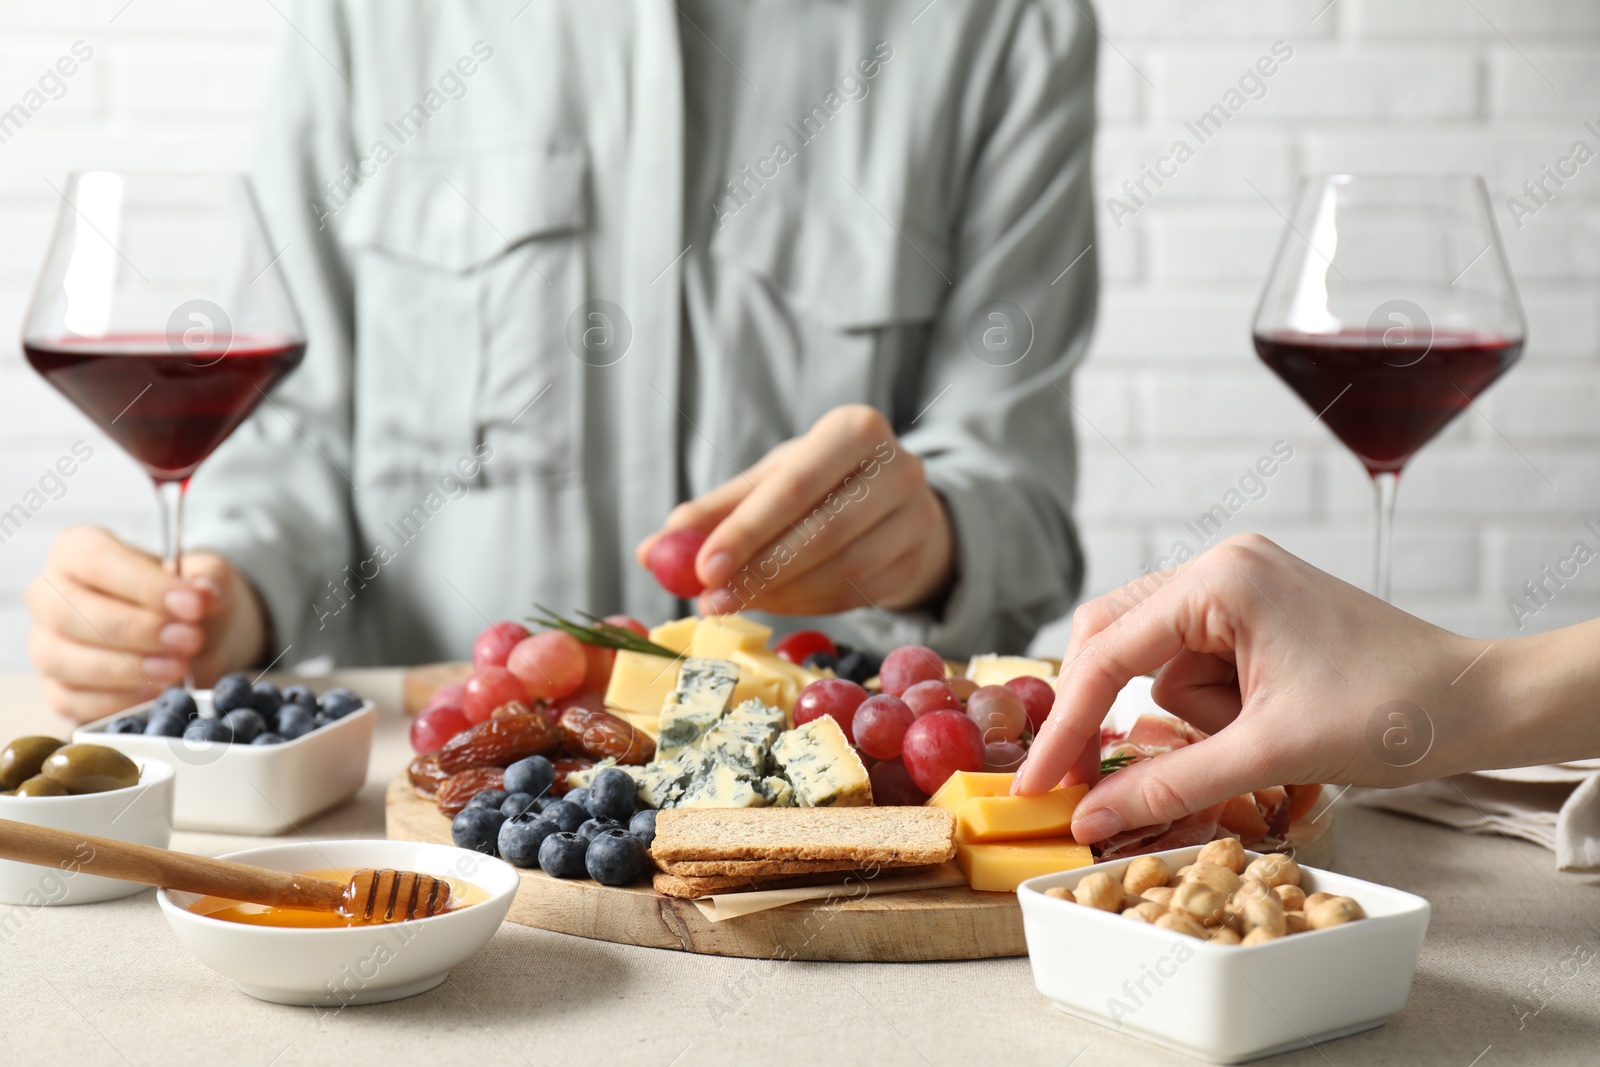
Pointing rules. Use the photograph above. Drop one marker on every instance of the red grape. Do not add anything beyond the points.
(672, 562)
(550, 664)
(963, 688)
(908, 665)
(830, 696)
(495, 643)
(998, 713)
(932, 695)
(434, 726)
(892, 785)
(447, 694)
(803, 644)
(487, 689)
(938, 745)
(598, 663)
(583, 698)
(880, 722)
(628, 622)
(1037, 699)
(1002, 756)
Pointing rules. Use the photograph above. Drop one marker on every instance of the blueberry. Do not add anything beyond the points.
(858, 667)
(232, 691)
(177, 700)
(566, 815)
(244, 725)
(822, 661)
(542, 804)
(268, 739)
(321, 719)
(265, 698)
(204, 731)
(594, 827)
(337, 703)
(477, 829)
(533, 776)
(293, 721)
(516, 803)
(166, 724)
(128, 724)
(643, 826)
(561, 855)
(615, 857)
(611, 795)
(299, 694)
(521, 836)
(580, 797)
(488, 798)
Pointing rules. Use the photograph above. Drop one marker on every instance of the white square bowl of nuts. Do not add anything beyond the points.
(1220, 953)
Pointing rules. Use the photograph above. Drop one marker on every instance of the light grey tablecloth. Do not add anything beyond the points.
(1510, 974)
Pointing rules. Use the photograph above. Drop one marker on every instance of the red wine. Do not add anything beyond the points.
(1383, 402)
(168, 411)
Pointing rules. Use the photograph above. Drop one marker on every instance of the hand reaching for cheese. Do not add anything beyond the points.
(1298, 676)
(838, 518)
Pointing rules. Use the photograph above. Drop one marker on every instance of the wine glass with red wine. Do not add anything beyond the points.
(161, 312)
(1389, 308)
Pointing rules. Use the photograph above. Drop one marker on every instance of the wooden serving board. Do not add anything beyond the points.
(928, 924)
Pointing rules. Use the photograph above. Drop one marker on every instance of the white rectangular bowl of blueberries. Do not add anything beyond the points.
(250, 758)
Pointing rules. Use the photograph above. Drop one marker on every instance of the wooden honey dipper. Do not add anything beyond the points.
(369, 897)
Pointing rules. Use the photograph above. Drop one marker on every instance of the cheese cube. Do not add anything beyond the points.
(676, 634)
(1000, 868)
(962, 786)
(720, 636)
(824, 770)
(640, 683)
(998, 670)
(1008, 818)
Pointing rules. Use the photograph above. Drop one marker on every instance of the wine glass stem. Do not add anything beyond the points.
(1384, 484)
(169, 495)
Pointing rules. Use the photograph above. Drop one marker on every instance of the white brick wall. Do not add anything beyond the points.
(1180, 407)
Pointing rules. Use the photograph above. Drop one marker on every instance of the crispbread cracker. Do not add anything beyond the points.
(898, 835)
(767, 868)
(690, 888)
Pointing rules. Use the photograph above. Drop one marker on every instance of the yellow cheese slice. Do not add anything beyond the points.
(720, 636)
(1008, 818)
(1000, 868)
(676, 634)
(998, 670)
(640, 682)
(962, 786)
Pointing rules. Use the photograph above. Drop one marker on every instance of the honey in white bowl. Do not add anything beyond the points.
(462, 895)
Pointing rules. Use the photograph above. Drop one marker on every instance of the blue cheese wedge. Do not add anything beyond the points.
(714, 784)
(744, 737)
(821, 766)
(704, 692)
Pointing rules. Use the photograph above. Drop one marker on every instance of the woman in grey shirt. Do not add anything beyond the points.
(820, 270)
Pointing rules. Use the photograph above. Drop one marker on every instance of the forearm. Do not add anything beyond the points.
(1547, 690)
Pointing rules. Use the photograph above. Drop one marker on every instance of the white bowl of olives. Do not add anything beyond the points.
(87, 789)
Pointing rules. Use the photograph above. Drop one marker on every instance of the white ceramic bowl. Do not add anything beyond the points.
(140, 813)
(253, 789)
(348, 965)
(1225, 1003)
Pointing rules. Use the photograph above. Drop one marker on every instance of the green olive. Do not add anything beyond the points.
(22, 758)
(40, 786)
(90, 768)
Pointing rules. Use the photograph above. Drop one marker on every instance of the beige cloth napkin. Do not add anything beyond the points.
(1556, 807)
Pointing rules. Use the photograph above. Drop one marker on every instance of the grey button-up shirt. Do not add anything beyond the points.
(565, 264)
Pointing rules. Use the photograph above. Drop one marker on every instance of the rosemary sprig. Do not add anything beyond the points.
(600, 633)
(1115, 763)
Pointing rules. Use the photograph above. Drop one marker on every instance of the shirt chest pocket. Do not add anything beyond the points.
(467, 266)
(860, 294)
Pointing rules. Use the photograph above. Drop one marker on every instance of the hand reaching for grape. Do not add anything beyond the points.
(840, 517)
(111, 627)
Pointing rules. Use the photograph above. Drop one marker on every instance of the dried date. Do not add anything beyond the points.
(425, 775)
(565, 767)
(601, 735)
(460, 788)
(499, 743)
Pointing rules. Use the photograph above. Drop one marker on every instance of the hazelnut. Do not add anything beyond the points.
(1199, 901)
(1258, 935)
(1316, 898)
(1250, 890)
(1224, 935)
(1146, 872)
(1294, 922)
(1333, 912)
(1266, 913)
(1292, 897)
(1061, 892)
(1225, 852)
(1180, 923)
(1161, 894)
(1100, 890)
(1145, 912)
(1274, 869)
(1214, 875)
